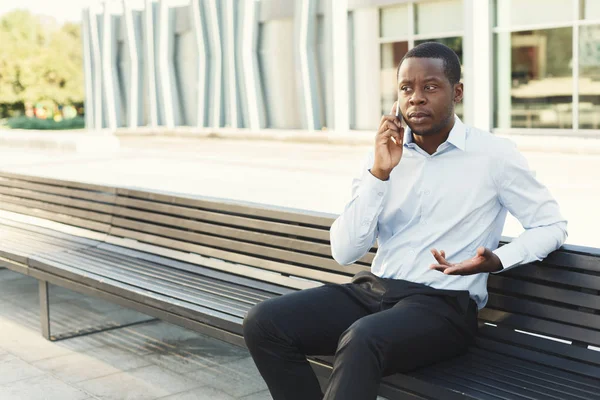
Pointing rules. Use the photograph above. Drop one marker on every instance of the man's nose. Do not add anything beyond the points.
(417, 98)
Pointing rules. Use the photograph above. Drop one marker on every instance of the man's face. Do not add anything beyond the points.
(426, 96)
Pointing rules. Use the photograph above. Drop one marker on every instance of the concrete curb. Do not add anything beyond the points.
(80, 141)
(530, 143)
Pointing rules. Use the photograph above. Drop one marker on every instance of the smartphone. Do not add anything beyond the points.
(398, 114)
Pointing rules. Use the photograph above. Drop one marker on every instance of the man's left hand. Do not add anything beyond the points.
(484, 261)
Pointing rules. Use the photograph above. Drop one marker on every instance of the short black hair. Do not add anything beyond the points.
(440, 51)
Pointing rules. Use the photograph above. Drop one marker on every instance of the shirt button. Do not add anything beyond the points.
(380, 194)
(427, 193)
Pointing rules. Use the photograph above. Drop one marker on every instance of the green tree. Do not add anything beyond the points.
(39, 60)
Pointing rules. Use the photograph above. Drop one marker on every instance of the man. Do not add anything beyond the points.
(435, 196)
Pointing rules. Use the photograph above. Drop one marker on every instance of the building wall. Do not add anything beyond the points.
(529, 66)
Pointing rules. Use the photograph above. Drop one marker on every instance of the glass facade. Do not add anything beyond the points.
(547, 64)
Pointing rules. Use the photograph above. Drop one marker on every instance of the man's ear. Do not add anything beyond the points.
(458, 92)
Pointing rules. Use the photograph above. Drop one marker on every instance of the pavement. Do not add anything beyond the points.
(152, 360)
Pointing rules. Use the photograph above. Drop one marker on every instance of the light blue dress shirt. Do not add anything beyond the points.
(453, 200)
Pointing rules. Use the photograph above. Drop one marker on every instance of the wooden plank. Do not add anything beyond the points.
(58, 182)
(181, 224)
(40, 205)
(195, 278)
(511, 384)
(96, 226)
(517, 375)
(530, 368)
(102, 197)
(32, 223)
(507, 285)
(574, 260)
(543, 327)
(196, 268)
(126, 204)
(305, 218)
(555, 275)
(545, 311)
(188, 240)
(543, 345)
(236, 265)
(86, 266)
(144, 296)
(464, 388)
(473, 379)
(59, 200)
(560, 366)
(173, 279)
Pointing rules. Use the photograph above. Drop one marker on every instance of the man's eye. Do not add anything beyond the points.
(404, 88)
(430, 87)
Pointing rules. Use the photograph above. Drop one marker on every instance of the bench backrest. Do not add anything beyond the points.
(288, 242)
(78, 204)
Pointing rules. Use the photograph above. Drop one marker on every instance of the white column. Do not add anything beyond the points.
(339, 12)
(149, 62)
(108, 69)
(131, 42)
(88, 68)
(478, 56)
(197, 21)
(216, 55)
(97, 70)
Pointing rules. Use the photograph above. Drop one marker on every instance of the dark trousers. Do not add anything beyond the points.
(374, 327)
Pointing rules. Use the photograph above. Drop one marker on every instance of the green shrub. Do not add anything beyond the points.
(45, 124)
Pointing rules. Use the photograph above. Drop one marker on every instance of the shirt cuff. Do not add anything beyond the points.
(372, 186)
(510, 256)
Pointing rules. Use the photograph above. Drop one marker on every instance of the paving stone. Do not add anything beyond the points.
(42, 387)
(202, 393)
(144, 384)
(75, 367)
(263, 395)
(14, 369)
(239, 378)
(118, 358)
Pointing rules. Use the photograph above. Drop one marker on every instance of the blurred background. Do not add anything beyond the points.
(276, 101)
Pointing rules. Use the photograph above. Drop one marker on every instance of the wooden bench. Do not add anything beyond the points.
(203, 263)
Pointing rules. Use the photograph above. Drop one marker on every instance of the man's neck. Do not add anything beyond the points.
(430, 143)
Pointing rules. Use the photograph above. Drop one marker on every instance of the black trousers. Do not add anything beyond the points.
(374, 327)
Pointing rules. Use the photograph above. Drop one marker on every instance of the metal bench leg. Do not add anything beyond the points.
(44, 309)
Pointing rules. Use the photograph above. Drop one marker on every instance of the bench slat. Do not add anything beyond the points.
(181, 308)
(126, 204)
(58, 200)
(543, 272)
(544, 345)
(92, 195)
(247, 284)
(152, 234)
(75, 221)
(250, 267)
(155, 285)
(186, 280)
(540, 326)
(304, 218)
(40, 205)
(59, 182)
(545, 311)
(471, 362)
(544, 292)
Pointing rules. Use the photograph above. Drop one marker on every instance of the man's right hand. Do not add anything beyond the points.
(388, 153)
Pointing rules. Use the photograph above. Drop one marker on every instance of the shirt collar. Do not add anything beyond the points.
(457, 136)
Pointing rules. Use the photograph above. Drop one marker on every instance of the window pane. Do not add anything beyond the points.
(534, 79)
(391, 55)
(456, 44)
(591, 9)
(394, 21)
(589, 77)
(435, 17)
(511, 13)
